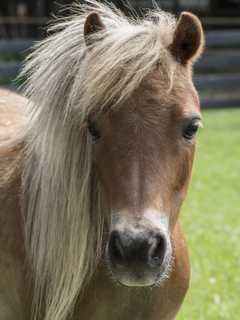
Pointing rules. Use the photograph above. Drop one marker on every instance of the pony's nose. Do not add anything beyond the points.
(140, 250)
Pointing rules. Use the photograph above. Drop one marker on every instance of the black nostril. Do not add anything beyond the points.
(115, 248)
(136, 250)
(157, 250)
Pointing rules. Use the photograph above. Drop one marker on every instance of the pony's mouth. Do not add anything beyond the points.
(139, 256)
(140, 276)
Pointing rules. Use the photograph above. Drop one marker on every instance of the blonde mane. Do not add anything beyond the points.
(66, 81)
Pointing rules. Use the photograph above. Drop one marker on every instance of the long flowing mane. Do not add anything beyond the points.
(66, 81)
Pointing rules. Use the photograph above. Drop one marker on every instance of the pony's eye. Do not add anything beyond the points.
(93, 130)
(191, 129)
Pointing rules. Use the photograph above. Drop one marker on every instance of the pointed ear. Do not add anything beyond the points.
(188, 40)
(92, 25)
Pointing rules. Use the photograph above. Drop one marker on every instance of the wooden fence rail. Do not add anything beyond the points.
(217, 74)
(18, 46)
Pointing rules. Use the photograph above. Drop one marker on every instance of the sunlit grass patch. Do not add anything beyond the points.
(211, 218)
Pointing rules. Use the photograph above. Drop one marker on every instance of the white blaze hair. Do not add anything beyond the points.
(63, 201)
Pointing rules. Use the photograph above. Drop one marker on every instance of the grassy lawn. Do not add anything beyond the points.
(211, 218)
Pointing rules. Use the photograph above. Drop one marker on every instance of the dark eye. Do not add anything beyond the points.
(191, 129)
(93, 130)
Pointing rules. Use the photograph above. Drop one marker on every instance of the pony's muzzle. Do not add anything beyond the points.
(127, 250)
(137, 259)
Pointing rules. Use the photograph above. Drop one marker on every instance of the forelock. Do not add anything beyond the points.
(108, 72)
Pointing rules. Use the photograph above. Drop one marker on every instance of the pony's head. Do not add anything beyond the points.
(110, 146)
(143, 148)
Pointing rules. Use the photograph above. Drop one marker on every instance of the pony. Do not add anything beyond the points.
(95, 161)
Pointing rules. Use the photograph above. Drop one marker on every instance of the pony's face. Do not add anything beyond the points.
(143, 153)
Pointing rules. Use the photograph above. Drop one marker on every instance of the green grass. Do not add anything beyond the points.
(211, 218)
(11, 57)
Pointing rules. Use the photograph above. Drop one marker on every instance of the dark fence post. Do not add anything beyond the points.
(176, 6)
